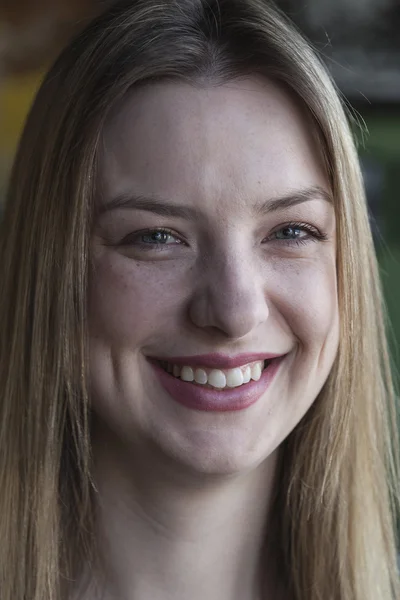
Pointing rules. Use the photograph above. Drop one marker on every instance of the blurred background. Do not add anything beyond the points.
(359, 41)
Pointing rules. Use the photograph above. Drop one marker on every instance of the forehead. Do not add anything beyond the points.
(239, 140)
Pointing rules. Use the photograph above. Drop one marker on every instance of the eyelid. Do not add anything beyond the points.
(315, 234)
(131, 237)
(298, 225)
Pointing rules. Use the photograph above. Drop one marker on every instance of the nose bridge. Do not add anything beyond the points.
(231, 295)
(233, 276)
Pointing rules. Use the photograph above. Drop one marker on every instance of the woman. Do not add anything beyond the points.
(196, 393)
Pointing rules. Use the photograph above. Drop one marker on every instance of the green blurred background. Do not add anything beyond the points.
(383, 146)
(359, 40)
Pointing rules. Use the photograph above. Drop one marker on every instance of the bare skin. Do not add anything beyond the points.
(212, 531)
(183, 494)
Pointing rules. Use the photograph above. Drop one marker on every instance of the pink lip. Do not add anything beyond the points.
(216, 361)
(202, 398)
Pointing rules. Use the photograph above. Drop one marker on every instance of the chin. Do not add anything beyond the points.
(208, 454)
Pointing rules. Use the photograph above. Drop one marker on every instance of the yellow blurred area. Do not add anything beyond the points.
(16, 96)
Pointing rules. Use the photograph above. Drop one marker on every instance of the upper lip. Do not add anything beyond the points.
(216, 360)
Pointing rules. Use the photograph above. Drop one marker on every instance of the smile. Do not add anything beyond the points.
(217, 378)
(212, 387)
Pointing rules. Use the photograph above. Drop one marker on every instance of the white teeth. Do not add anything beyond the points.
(234, 378)
(247, 374)
(187, 374)
(256, 371)
(200, 376)
(217, 378)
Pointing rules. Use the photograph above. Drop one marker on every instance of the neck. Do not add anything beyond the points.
(165, 532)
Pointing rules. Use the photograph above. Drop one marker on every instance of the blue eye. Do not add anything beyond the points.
(297, 233)
(157, 236)
(290, 233)
(151, 239)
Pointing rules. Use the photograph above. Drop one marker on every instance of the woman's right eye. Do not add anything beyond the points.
(150, 239)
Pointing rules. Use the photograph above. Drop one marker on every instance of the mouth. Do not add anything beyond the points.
(217, 379)
(203, 388)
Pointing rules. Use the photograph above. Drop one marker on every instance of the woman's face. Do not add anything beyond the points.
(213, 250)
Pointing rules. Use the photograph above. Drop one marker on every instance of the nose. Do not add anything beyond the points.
(230, 297)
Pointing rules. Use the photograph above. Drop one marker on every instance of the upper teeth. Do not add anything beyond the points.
(218, 378)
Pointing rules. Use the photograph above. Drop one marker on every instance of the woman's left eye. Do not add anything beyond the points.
(296, 233)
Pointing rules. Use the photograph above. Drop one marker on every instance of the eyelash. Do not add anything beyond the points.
(313, 235)
(130, 239)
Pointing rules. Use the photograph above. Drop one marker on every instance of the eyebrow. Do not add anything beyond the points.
(164, 208)
(294, 198)
(150, 204)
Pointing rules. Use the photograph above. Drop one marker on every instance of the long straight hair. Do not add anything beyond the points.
(338, 483)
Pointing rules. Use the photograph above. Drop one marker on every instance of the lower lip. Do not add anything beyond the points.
(208, 399)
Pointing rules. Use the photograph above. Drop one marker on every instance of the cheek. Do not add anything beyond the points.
(306, 299)
(306, 303)
(129, 301)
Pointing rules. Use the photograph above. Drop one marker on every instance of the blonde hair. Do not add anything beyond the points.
(338, 480)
